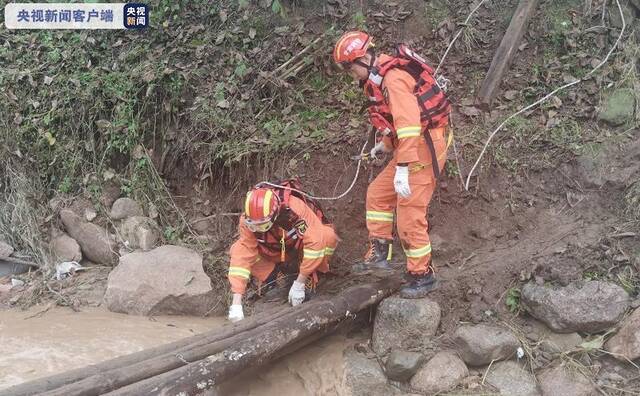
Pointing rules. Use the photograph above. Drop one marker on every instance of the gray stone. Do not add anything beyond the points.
(364, 377)
(565, 381)
(96, 243)
(65, 248)
(442, 373)
(140, 232)
(626, 343)
(125, 207)
(6, 250)
(512, 380)
(479, 345)
(618, 107)
(166, 280)
(588, 307)
(404, 324)
(559, 343)
(402, 365)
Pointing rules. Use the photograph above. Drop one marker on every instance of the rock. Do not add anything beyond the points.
(6, 250)
(626, 343)
(90, 214)
(512, 380)
(125, 207)
(404, 324)
(140, 232)
(402, 365)
(559, 343)
(166, 280)
(364, 377)
(479, 345)
(588, 307)
(96, 243)
(565, 381)
(442, 373)
(110, 192)
(618, 107)
(65, 248)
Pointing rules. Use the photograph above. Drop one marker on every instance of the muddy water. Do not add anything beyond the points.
(60, 339)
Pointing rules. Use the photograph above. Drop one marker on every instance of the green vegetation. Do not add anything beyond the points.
(513, 299)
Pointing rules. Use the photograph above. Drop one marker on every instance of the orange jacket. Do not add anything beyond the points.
(398, 86)
(317, 243)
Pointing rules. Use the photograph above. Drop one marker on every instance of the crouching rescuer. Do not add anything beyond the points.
(410, 114)
(280, 229)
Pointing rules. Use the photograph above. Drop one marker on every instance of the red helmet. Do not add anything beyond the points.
(261, 208)
(351, 46)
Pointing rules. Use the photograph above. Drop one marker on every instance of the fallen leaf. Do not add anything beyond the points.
(470, 111)
(252, 33)
(223, 104)
(48, 80)
(510, 94)
(223, 15)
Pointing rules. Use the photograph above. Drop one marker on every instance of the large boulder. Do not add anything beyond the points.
(139, 232)
(440, 374)
(97, 244)
(65, 248)
(364, 377)
(618, 107)
(512, 380)
(165, 280)
(626, 343)
(565, 381)
(588, 307)
(402, 365)
(405, 324)
(125, 207)
(5, 249)
(481, 344)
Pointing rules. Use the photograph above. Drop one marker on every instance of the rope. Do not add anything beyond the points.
(353, 182)
(606, 59)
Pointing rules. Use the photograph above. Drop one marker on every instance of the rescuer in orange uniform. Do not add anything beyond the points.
(410, 114)
(279, 226)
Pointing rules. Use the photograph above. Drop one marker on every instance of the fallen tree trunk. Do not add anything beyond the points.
(99, 373)
(504, 55)
(265, 343)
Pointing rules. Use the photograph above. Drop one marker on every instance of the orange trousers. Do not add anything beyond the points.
(411, 212)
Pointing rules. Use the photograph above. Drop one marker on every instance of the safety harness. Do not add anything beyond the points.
(288, 230)
(435, 107)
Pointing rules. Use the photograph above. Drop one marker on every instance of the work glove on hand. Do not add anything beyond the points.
(401, 181)
(296, 293)
(235, 313)
(378, 148)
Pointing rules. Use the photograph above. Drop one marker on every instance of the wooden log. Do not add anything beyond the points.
(504, 55)
(103, 369)
(265, 343)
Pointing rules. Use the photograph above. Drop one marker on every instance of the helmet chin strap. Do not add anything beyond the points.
(369, 67)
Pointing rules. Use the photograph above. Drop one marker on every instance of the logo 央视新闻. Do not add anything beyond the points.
(136, 16)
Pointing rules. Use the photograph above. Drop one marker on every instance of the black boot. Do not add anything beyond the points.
(377, 257)
(419, 286)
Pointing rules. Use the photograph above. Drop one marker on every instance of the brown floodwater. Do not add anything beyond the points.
(61, 339)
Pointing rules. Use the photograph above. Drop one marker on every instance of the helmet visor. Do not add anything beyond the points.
(258, 226)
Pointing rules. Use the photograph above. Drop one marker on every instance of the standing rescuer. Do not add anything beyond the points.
(410, 114)
(279, 226)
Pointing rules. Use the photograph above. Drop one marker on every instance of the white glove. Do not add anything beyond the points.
(378, 148)
(235, 313)
(296, 293)
(401, 181)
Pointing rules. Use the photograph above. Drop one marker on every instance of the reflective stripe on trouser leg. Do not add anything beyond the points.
(381, 202)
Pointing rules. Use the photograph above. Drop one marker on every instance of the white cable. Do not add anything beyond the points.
(606, 59)
(353, 182)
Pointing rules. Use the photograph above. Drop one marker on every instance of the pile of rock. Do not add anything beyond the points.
(491, 358)
(146, 280)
